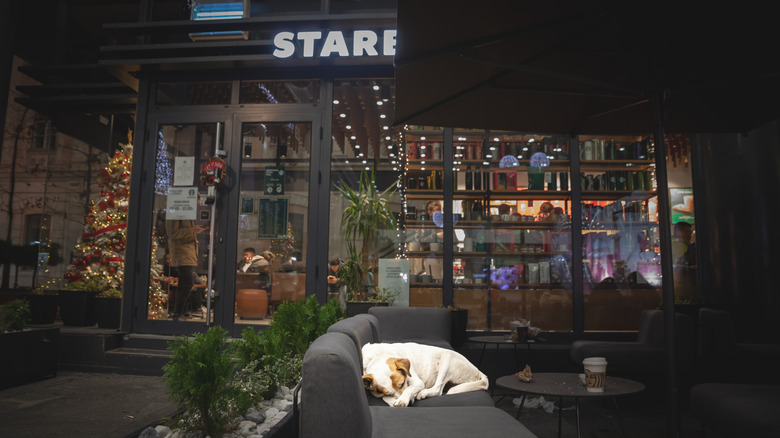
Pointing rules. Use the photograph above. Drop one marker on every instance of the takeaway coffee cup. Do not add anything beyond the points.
(595, 373)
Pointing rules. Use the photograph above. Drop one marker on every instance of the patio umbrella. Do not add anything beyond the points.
(590, 67)
(585, 67)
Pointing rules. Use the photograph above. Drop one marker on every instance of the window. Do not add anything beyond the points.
(43, 134)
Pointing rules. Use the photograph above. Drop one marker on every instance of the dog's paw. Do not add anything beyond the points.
(400, 403)
(423, 394)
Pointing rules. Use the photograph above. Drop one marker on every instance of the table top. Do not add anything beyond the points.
(568, 385)
(499, 339)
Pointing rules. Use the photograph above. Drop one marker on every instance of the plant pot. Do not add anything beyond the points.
(358, 307)
(460, 319)
(28, 355)
(43, 308)
(251, 303)
(77, 308)
(109, 312)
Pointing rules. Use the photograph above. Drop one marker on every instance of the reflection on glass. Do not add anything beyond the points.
(303, 91)
(621, 262)
(363, 142)
(274, 187)
(180, 233)
(512, 224)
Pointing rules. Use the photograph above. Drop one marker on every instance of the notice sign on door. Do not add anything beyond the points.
(274, 180)
(272, 215)
(181, 204)
(394, 277)
(183, 171)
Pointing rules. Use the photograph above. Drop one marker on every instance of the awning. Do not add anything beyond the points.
(586, 67)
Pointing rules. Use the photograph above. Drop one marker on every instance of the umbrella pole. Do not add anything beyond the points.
(667, 271)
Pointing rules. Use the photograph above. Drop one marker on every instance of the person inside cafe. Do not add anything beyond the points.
(251, 262)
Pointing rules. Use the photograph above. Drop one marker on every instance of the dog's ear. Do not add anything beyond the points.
(404, 365)
(368, 382)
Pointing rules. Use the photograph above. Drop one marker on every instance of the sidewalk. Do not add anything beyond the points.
(75, 404)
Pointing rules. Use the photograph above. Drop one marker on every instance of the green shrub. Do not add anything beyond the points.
(199, 377)
(277, 351)
(14, 316)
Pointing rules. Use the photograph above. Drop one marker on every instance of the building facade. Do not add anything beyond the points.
(282, 103)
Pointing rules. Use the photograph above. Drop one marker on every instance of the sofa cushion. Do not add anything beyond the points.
(441, 422)
(424, 325)
(332, 387)
(358, 329)
(737, 410)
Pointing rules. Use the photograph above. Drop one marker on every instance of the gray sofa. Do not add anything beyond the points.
(647, 354)
(335, 404)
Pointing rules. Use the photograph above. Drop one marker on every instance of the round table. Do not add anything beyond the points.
(568, 385)
(500, 339)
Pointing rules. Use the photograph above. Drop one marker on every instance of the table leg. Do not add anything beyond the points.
(522, 403)
(620, 417)
(517, 361)
(577, 413)
(560, 415)
(482, 354)
(528, 347)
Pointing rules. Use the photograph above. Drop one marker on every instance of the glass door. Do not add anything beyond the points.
(271, 217)
(183, 222)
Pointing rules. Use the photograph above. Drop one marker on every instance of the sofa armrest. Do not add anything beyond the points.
(332, 385)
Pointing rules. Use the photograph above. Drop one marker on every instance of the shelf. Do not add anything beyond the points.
(531, 286)
(515, 254)
(418, 165)
(608, 226)
(424, 253)
(555, 165)
(467, 225)
(609, 165)
(423, 194)
(497, 195)
(614, 195)
(522, 287)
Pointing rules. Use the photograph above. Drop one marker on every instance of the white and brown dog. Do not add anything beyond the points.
(404, 372)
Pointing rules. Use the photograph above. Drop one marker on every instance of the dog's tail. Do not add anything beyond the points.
(475, 385)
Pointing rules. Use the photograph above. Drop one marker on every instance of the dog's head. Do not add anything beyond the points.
(388, 380)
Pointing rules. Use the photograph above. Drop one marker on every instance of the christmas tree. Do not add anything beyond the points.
(158, 298)
(99, 255)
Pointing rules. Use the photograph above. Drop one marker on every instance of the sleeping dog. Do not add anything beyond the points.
(404, 372)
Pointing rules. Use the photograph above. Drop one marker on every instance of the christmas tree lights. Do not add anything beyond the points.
(99, 259)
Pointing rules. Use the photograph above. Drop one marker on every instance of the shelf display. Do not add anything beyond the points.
(620, 236)
(512, 199)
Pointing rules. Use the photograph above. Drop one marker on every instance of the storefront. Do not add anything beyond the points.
(277, 122)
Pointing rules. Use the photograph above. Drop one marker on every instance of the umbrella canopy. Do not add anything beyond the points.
(585, 67)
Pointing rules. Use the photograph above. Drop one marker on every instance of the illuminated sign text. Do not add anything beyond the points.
(334, 43)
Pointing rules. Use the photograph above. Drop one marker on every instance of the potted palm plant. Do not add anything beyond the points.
(366, 213)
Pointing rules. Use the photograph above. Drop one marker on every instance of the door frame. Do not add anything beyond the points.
(142, 202)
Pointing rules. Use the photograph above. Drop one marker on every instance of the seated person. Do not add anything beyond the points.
(264, 270)
(251, 261)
